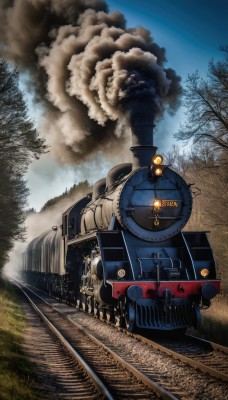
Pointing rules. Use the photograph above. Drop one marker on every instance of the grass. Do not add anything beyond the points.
(17, 381)
(215, 320)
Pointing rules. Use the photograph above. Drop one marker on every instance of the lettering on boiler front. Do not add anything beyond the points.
(169, 203)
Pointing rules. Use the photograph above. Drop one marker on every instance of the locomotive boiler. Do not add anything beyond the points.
(120, 252)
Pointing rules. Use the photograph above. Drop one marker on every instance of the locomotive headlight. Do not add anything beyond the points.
(204, 272)
(158, 171)
(157, 159)
(157, 203)
(121, 273)
(156, 168)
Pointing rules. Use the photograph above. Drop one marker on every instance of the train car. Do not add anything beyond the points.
(123, 255)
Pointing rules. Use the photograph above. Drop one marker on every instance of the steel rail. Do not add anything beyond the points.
(215, 346)
(187, 360)
(93, 376)
(178, 356)
(159, 390)
(138, 374)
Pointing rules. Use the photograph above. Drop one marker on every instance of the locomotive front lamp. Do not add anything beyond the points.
(158, 171)
(157, 159)
(121, 273)
(157, 203)
(204, 272)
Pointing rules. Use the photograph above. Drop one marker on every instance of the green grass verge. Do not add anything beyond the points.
(215, 320)
(17, 381)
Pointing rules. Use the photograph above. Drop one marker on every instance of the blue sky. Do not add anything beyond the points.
(191, 31)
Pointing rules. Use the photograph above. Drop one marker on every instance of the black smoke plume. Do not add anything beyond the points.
(87, 69)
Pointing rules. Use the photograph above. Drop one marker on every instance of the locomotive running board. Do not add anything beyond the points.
(89, 236)
(83, 238)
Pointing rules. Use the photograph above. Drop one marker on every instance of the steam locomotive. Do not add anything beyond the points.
(120, 253)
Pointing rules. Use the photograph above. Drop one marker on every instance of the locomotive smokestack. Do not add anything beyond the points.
(141, 120)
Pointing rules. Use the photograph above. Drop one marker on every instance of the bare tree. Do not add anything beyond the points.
(178, 160)
(206, 102)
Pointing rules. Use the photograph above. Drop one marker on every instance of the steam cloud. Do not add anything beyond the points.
(88, 70)
(37, 223)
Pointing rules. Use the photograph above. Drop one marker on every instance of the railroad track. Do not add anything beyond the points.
(200, 354)
(108, 375)
(70, 376)
(149, 364)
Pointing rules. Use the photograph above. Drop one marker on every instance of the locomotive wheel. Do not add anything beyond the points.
(95, 309)
(90, 304)
(78, 303)
(84, 303)
(119, 314)
(130, 316)
(102, 314)
(109, 315)
(118, 320)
